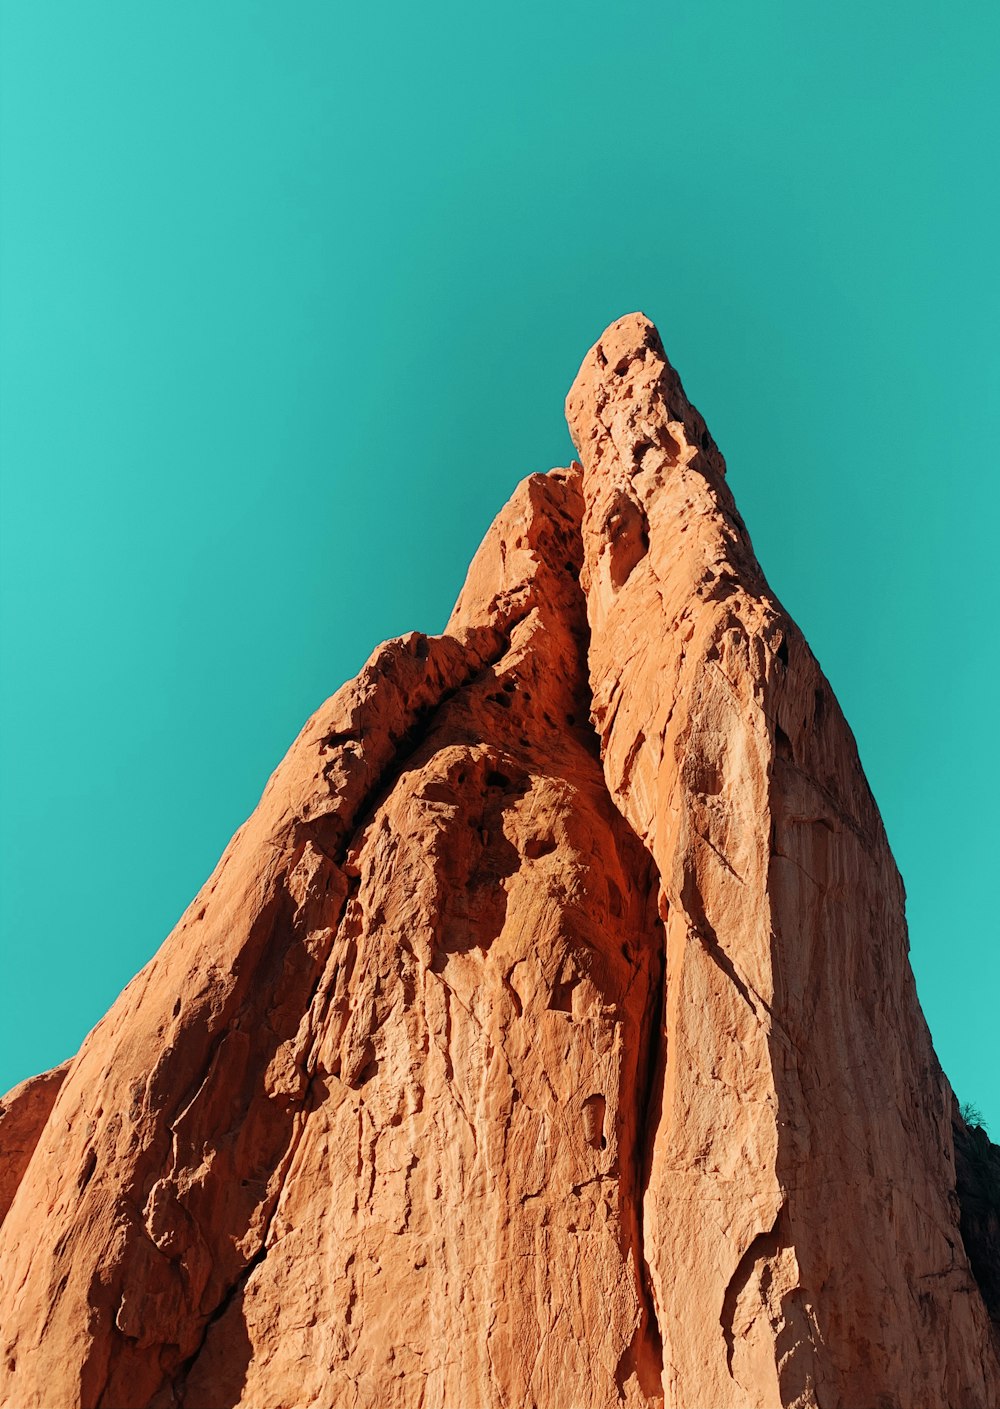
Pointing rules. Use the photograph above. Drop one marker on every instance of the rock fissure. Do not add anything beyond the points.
(178, 1383)
(764, 1247)
(409, 743)
(649, 1105)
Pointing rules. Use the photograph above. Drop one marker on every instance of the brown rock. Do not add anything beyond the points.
(502, 1065)
(23, 1114)
(800, 1214)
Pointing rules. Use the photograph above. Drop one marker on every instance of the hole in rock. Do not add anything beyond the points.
(87, 1172)
(593, 1121)
(561, 999)
(639, 450)
(333, 740)
(366, 1074)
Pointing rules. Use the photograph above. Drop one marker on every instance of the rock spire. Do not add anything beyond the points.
(546, 1037)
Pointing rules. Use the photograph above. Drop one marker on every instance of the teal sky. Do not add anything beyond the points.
(291, 298)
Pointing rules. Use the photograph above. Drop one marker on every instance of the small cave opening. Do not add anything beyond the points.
(594, 1108)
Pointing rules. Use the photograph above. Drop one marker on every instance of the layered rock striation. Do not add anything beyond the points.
(545, 1038)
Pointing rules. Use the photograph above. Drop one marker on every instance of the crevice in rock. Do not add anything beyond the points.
(710, 943)
(977, 1185)
(650, 1100)
(704, 932)
(180, 1379)
(644, 1356)
(238, 1286)
(408, 744)
(764, 1245)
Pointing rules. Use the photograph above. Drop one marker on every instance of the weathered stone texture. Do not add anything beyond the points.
(801, 1224)
(23, 1116)
(547, 1035)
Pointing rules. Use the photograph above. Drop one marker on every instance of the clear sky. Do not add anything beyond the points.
(291, 298)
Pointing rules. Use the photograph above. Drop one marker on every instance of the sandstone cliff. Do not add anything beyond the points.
(547, 1035)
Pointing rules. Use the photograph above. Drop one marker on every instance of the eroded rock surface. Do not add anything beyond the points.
(801, 1223)
(23, 1116)
(547, 1035)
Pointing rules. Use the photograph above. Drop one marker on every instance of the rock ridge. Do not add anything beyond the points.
(516, 1046)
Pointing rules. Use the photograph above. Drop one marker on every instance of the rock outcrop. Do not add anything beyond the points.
(23, 1114)
(547, 1035)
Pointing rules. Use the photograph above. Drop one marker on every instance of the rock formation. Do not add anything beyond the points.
(547, 1035)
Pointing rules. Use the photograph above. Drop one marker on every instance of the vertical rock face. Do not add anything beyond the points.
(546, 1036)
(801, 1219)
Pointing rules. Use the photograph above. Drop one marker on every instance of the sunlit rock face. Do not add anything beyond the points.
(546, 1037)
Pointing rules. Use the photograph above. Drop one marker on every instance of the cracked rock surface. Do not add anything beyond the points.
(546, 1037)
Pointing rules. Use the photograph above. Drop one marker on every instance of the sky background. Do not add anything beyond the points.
(291, 298)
